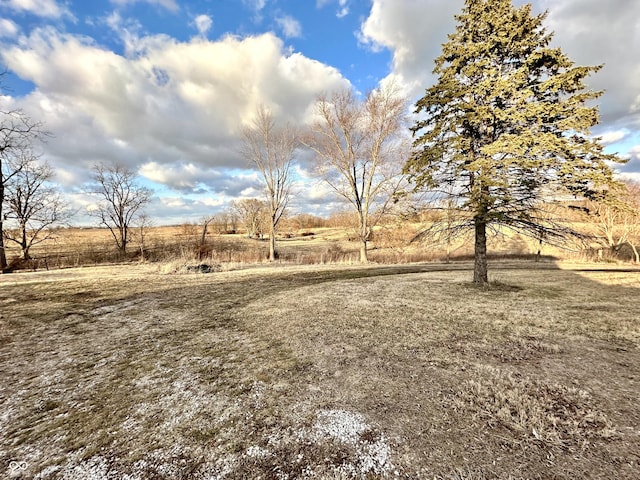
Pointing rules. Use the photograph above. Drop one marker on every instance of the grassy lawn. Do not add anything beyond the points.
(320, 372)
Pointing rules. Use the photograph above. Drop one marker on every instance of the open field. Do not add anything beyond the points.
(403, 371)
(391, 243)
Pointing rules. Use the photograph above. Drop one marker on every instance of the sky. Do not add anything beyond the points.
(164, 86)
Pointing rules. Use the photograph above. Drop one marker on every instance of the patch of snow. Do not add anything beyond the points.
(340, 425)
(347, 427)
(254, 451)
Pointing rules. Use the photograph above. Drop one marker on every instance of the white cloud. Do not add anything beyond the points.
(203, 24)
(171, 5)
(344, 9)
(290, 27)
(343, 6)
(590, 32)
(8, 29)
(613, 136)
(413, 32)
(255, 5)
(187, 177)
(166, 110)
(41, 8)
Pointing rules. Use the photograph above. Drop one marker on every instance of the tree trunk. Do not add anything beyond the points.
(3, 256)
(24, 244)
(203, 236)
(364, 258)
(273, 253)
(635, 252)
(480, 275)
(364, 233)
(124, 236)
(540, 243)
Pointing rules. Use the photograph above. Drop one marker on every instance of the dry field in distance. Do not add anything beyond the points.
(75, 247)
(396, 371)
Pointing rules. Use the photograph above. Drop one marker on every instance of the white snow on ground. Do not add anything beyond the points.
(340, 425)
(372, 454)
(348, 427)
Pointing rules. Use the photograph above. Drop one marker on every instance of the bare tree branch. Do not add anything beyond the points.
(121, 200)
(33, 205)
(359, 150)
(271, 150)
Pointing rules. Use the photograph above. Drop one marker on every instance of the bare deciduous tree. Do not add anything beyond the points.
(271, 150)
(121, 200)
(251, 213)
(205, 221)
(360, 151)
(33, 205)
(143, 225)
(17, 133)
(617, 221)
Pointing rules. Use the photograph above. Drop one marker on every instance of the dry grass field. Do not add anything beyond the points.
(335, 372)
(77, 247)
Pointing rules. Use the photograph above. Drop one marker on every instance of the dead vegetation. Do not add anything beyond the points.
(324, 372)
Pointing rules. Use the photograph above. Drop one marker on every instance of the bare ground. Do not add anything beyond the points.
(331, 372)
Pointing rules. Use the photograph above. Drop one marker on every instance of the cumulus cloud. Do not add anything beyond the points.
(413, 32)
(290, 27)
(190, 178)
(203, 24)
(40, 8)
(166, 109)
(171, 5)
(182, 177)
(8, 29)
(591, 32)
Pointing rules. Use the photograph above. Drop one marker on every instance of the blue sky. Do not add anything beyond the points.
(163, 86)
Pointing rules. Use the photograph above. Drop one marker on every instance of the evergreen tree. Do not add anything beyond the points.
(506, 124)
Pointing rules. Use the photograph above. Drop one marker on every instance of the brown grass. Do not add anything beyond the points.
(391, 244)
(320, 372)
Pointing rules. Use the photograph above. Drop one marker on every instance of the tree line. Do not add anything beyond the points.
(502, 134)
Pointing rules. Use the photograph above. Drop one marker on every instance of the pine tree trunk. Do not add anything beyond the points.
(480, 275)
